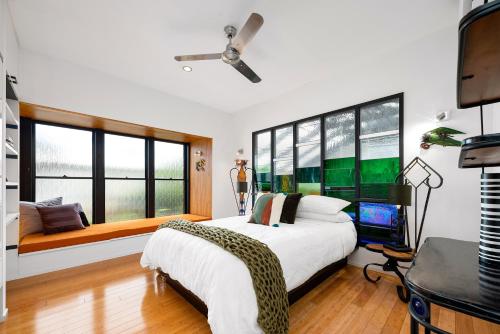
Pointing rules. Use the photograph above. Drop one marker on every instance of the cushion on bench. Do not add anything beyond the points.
(97, 232)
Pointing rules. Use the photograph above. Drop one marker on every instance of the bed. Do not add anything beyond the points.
(217, 282)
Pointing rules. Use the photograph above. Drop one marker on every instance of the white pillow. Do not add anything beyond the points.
(321, 204)
(339, 217)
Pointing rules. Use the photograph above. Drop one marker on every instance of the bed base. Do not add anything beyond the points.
(293, 295)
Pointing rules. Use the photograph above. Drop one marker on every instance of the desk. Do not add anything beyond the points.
(446, 272)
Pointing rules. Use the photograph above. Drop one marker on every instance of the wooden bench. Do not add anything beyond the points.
(98, 232)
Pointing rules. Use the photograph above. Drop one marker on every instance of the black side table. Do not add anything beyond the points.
(446, 272)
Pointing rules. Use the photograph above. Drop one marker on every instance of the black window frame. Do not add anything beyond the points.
(64, 177)
(114, 178)
(28, 167)
(357, 114)
(153, 178)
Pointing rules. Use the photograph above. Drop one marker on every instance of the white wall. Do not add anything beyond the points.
(425, 71)
(59, 84)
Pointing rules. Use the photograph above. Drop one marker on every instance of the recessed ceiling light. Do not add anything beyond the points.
(187, 68)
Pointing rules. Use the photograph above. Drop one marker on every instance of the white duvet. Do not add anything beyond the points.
(223, 281)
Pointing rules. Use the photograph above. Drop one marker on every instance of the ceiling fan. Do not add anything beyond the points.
(235, 47)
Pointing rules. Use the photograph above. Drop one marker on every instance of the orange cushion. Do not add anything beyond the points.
(97, 232)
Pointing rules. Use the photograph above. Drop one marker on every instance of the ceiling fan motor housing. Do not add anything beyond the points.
(231, 55)
(230, 31)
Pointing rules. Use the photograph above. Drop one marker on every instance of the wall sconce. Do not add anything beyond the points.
(200, 164)
(443, 116)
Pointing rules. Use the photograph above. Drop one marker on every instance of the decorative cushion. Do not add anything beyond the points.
(84, 219)
(321, 204)
(277, 208)
(82, 214)
(340, 217)
(262, 210)
(290, 208)
(29, 218)
(60, 218)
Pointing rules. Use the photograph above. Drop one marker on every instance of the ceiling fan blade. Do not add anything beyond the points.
(248, 32)
(246, 71)
(207, 56)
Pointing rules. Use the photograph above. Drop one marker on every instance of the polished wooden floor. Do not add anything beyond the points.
(118, 296)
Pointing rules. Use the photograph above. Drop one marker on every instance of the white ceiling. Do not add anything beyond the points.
(300, 41)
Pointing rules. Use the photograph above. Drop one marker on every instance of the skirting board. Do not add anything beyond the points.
(30, 264)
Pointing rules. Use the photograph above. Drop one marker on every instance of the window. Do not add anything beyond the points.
(63, 165)
(262, 165)
(379, 165)
(353, 153)
(283, 160)
(115, 177)
(169, 178)
(125, 174)
(379, 138)
(340, 156)
(309, 157)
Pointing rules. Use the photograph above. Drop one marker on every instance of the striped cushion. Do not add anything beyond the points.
(262, 210)
(60, 218)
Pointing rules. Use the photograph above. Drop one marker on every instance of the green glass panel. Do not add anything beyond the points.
(263, 181)
(308, 180)
(340, 172)
(283, 183)
(308, 175)
(309, 188)
(376, 175)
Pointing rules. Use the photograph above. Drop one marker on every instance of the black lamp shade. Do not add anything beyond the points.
(399, 194)
(242, 187)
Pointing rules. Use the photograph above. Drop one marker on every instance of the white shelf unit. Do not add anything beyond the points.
(9, 156)
(9, 176)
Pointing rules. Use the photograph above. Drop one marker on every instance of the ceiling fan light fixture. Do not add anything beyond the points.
(187, 68)
(237, 42)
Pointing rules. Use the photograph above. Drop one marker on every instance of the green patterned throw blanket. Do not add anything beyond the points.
(263, 265)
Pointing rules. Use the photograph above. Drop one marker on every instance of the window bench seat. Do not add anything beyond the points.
(98, 232)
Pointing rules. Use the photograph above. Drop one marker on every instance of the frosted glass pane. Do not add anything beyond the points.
(169, 197)
(169, 160)
(283, 167)
(124, 156)
(380, 117)
(71, 190)
(63, 151)
(380, 147)
(309, 131)
(284, 143)
(309, 156)
(263, 158)
(340, 135)
(125, 199)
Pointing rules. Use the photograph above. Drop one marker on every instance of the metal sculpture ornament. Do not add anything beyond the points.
(239, 182)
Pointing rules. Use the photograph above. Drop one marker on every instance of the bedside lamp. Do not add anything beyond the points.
(400, 195)
(415, 175)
